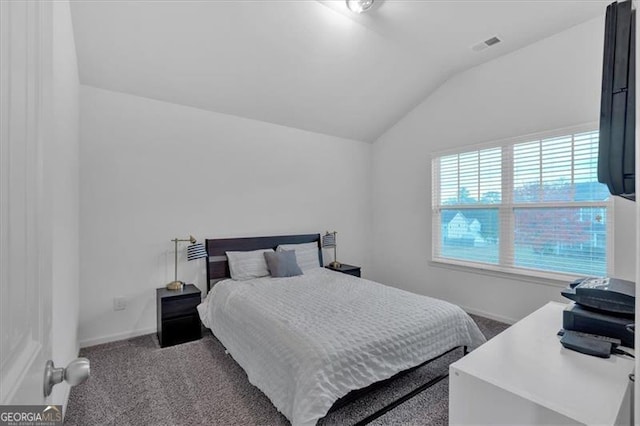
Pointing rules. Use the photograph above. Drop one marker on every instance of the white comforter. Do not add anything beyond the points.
(307, 341)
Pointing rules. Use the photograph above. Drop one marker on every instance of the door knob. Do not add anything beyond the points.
(76, 372)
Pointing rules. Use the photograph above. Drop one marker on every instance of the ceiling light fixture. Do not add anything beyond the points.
(359, 6)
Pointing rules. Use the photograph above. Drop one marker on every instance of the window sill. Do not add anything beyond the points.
(551, 279)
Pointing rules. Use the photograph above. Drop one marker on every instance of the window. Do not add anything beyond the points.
(523, 206)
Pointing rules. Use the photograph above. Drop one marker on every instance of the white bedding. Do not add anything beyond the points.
(307, 341)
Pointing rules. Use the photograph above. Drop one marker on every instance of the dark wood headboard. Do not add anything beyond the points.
(217, 266)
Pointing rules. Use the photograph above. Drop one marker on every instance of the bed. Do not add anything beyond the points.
(310, 340)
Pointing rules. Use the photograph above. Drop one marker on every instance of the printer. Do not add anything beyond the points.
(602, 307)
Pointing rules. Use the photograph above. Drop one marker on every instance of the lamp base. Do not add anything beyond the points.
(335, 264)
(175, 285)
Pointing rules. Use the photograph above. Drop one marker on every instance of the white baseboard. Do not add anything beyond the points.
(489, 315)
(115, 337)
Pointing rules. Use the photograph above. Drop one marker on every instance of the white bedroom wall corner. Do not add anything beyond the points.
(367, 253)
(62, 154)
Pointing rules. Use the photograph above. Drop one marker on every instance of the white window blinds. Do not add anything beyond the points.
(525, 206)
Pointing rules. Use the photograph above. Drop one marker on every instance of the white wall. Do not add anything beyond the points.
(152, 171)
(62, 172)
(551, 84)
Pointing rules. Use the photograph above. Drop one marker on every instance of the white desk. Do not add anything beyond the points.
(524, 376)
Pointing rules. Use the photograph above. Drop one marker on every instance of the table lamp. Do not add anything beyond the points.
(328, 241)
(194, 251)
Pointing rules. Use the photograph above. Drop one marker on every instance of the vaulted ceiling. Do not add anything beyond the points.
(307, 64)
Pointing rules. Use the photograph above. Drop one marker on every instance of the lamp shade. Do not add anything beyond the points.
(196, 251)
(329, 239)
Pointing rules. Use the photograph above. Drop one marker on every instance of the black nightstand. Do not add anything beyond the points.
(346, 269)
(178, 319)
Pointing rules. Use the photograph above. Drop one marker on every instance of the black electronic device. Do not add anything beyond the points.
(616, 156)
(577, 318)
(614, 342)
(586, 345)
(572, 284)
(609, 295)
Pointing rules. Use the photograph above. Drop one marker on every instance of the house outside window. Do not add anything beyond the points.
(530, 205)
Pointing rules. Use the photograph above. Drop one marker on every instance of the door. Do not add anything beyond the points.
(25, 231)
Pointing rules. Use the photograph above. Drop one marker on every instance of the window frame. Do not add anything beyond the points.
(506, 209)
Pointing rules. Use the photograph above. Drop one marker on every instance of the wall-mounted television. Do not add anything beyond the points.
(616, 158)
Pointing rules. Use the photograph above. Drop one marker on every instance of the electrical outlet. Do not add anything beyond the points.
(119, 303)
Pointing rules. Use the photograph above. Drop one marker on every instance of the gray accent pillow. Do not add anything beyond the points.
(282, 264)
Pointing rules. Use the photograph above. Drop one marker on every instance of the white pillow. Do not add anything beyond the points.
(245, 265)
(306, 254)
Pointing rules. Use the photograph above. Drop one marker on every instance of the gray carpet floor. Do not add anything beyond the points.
(135, 382)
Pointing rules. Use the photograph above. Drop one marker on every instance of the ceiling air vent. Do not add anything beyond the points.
(485, 44)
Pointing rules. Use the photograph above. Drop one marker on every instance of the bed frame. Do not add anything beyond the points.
(218, 269)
